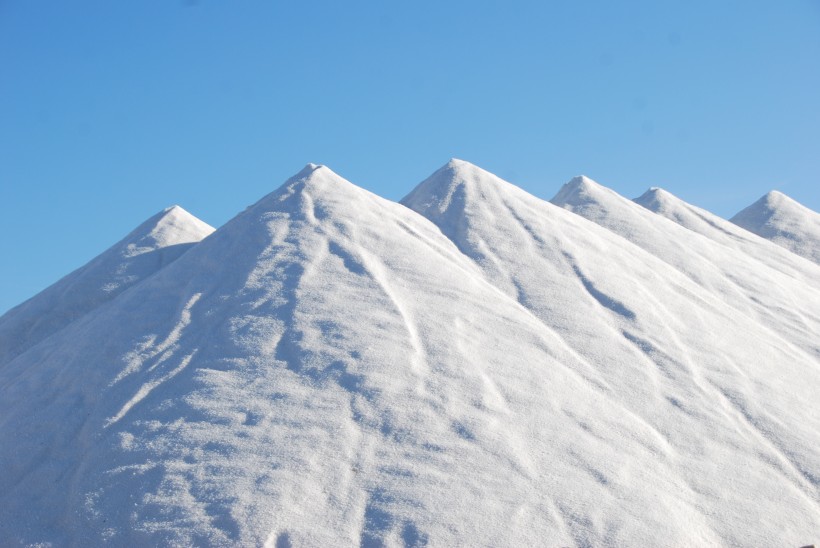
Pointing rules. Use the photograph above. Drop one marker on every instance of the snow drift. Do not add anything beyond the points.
(476, 366)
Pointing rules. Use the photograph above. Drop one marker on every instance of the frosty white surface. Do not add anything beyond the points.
(787, 223)
(154, 244)
(474, 367)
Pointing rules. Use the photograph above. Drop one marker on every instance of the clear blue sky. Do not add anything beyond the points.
(110, 111)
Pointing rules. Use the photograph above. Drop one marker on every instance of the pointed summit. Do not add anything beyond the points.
(666, 204)
(581, 182)
(655, 199)
(310, 181)
(318, 176)
(578, 191)
(155, 243)
(171, 226)
(784, 221)
(452, 187)
(304, 173)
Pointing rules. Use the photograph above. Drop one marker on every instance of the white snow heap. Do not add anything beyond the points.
(480, 367)
(785, 222)
(154, 244)
(728, 234)
(783, 298)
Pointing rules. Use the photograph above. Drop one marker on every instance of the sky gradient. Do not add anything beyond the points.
(111, 111)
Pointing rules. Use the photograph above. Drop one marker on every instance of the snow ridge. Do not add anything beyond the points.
(472, 366)
(727, 233)
(736, 278)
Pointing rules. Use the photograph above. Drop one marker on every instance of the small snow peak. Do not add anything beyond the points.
(313, 179)
(458, 163)
(313, 173)
(458, 167)
(307, 171)
(769, 202)
(582, 181)
(579, 184)
(171, 225)
(578, 188)
(784, 221)
(655, 193)
(774, 197)
(174, 214)
(657, 199)
(456, 182)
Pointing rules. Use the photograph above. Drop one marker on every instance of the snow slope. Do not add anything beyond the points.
(784, 221)
(332, 368)
(785, 302)
(691, 369)
(729, 234)
(152, 245)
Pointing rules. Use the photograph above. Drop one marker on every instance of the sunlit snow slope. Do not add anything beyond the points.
(787, 223)
(784, 300)
(729, 234)
(152, 245)
(474, 367)
(692, 369)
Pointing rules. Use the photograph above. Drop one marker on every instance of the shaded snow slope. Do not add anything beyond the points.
(332, 368)
(720, 388)
(784, 221)
(155, 243)
(786, 302)
(727, 233)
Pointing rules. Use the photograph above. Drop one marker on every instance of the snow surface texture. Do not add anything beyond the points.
(480, 368)
(787, 223)
(782, 297)
(157, 242)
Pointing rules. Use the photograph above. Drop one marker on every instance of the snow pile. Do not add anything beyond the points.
(157, 242)
(787, 223)
(781, 299)
(727, 233)
(479, 367)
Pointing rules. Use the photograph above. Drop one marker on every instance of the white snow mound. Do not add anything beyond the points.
(474, 367)
(782, 296)
(154, 244)
(728, 233)
(784, 221)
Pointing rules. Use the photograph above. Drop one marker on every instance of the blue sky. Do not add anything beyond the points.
(111, 111)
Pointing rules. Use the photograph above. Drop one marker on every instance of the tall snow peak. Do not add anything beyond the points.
(155, 243)
(784, 221)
